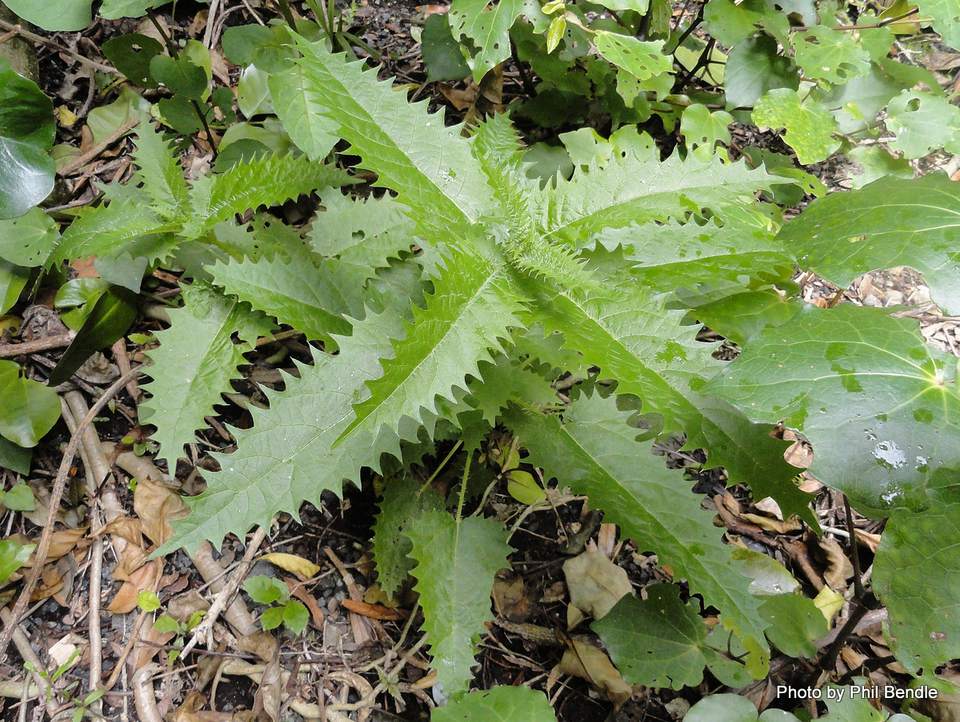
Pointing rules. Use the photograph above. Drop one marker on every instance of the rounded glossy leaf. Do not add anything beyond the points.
(53, 15)
(29, 408)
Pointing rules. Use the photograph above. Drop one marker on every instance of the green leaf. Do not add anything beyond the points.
(15, 458)
(413, 152)
(19, 497)
(636, 341)
(27, 130)
(300, 109)
(733, 708)
(922, 123)
(795, 624)
(114, 9)
(916, 577)
(53, 15)
(265, 590)
(470, 312)
(656, 642)
(13, 555)
(131, 55)
(179, 75)
(305, 420)
(441, 52)
(642, 59)
(194, 364)
(253, 94)
(596, 200)
(702, 129)
(295, 616)
(400, 509)
(809, 126)
(500, 704)
(730, 22)
(487, 26)
(741, 316)
(159, 172)
(456, 563)
(880, 407)
(108, 320)
(166, 624)
(28, 240)
(13, 279)
(148, 601)
(271, 618)
(830, 56)
(946, 18)
(124, 226)
(29, 408)
(266, 181)
(891, 222)
(594, 451)
(240, 42)
(755, 67)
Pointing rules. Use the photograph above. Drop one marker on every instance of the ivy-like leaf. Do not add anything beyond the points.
(916, 575)
(500, 704)
(413, 152)
(28, 240)
(923, 122)
(488, 27)
(194, 364)
(809, 126)
(830, 55)
(890, 222)
(881, 408)
(656, 642)
(456, 563)
(595, 451)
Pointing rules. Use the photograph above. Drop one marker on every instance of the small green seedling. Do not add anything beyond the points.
(281, 608)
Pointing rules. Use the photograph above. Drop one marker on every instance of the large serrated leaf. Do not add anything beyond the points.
(595, 451)
(402, 505)
(456, 563)
(124, 226)
(427, 163)
(470, 312)
(267, 180)
(194, 364)
(159, 171)
(629, 189)
(634, 339)
(880, 407)
(311, 297)
(891, 222)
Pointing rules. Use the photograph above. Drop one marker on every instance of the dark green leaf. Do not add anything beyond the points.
(29, 409)
(131, 54)
(241, 41)
(53, 15)
(179, 75)
(753, 68)
(15, 458)
(13, 279)
(180, 114)
(26, 177)
(109, 319)
(441, 52)
(25, 112)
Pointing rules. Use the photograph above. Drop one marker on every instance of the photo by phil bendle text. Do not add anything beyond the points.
(838, 694)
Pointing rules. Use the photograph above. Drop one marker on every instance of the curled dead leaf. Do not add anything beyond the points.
(303, 568)
(158, 506)
(582, 659)
(595, 583)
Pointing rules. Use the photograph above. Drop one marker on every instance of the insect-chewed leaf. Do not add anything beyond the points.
(488, 27)
(595, 451)
(456, 563)
(500, 704)
(880, 407)
(400, 509)
(891, 222)
(195, 362)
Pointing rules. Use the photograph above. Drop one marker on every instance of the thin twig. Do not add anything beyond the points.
(33, 37)
(56, 495)
(9, 350)
(205, 628)
(81, 160)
